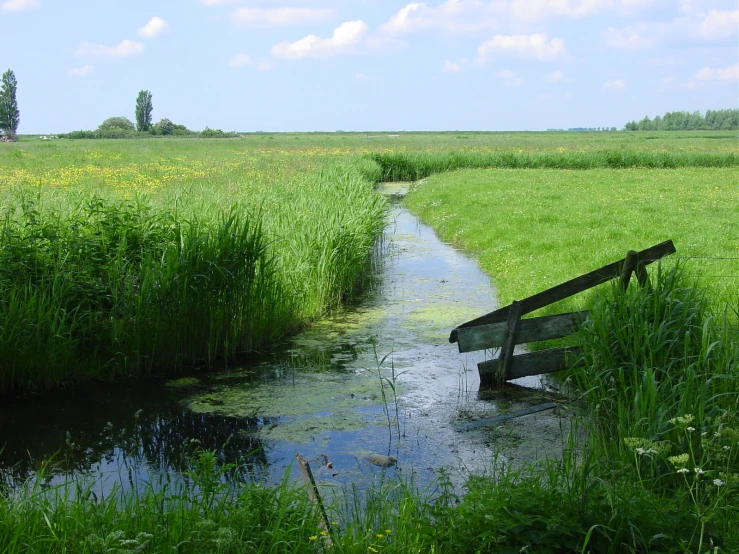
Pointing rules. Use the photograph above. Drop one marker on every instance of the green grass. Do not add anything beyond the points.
(533, 229)
(118, 261)
(401, 166)
(135, 250)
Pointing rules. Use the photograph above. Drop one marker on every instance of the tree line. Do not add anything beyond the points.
(122, 127)
(113, 127)
(714, 120)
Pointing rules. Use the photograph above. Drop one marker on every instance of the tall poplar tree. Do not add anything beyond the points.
(143, 110)
(9, 114)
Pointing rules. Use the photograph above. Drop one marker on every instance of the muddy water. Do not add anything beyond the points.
(380, 377)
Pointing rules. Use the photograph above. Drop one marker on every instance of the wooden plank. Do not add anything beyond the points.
(569, 288)
(534, 329)
(532, 363)
(509, 341)
(505, 417)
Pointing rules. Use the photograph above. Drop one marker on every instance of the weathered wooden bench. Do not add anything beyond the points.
(504, 328)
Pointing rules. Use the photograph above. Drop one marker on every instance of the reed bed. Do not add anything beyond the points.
(413, 166)
(94, 284)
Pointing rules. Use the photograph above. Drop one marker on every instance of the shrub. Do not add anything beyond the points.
(216, 133)
(117, 123)
(165, 126)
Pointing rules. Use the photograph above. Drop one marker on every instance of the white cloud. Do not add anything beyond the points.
(451, 67)
(555, 77)
(541, 9)
(627, 38)
(361, 77)
(448, 16)
(81, 71)
(345, 38)
(511, 78)
(243, 60)
(124, 49)
(15, 6)
(730, 73)
(719, 25)
(277, 17)
(531, 46)
(615, 84)
(154, 27)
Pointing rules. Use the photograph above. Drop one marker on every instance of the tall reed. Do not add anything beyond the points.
(97, 286)
(412, 166)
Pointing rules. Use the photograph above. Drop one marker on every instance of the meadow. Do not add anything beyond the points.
(140, 256)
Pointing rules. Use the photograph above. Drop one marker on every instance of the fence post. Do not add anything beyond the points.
(509, 342)
(630, 263)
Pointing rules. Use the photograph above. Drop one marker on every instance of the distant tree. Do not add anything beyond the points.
(143, 110)
(9, 114)
(685, 121)
(117, 123)
(165, 126)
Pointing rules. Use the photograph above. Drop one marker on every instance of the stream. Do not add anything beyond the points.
(379, 377)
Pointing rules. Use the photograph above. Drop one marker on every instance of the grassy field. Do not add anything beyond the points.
(143, 255)
(532, 229)
(124, 257)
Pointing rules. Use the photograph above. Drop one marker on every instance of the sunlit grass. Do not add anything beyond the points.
(124, 260)
(533, 229)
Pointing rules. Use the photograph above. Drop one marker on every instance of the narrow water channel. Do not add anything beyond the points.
(380, 377)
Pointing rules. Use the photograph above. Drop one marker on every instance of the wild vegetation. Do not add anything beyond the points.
(655, 467)
(169, 263)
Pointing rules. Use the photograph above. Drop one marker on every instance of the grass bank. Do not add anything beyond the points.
(116, 262)
(532, 229)
(402, 166)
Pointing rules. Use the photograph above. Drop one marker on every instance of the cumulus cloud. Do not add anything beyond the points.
(627, 38)
(277, 17)
(451, 67)
(452, 15)
(535, 46)
(154, 27)
(719, 25)
(124, 49)
(243, 60)
(361, 77)
(615, 84)
(15, 6)
(345, 38)
(730, 73)
(81, 71)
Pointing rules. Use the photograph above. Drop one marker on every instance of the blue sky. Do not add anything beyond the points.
(354, 65)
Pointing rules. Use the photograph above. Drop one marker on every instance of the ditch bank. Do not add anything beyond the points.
(378, 377)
